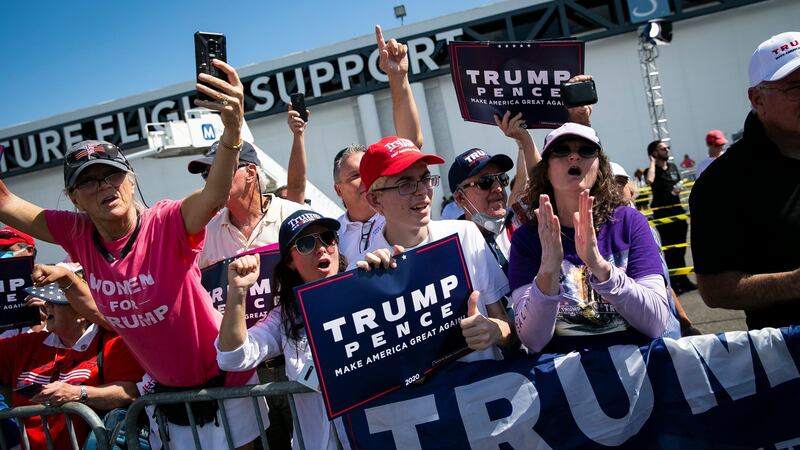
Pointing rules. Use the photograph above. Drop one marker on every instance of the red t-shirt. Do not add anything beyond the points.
(40, 357)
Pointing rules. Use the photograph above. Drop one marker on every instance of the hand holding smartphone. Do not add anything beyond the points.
(579, 94)
(207, 47)
(29, 390)
(299, 105)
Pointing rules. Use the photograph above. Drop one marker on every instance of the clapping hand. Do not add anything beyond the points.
(586, 239)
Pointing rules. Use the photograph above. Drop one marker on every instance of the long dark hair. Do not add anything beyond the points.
(605, 192)
(284, 280)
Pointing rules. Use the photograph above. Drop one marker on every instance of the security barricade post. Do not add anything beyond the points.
(86, 413)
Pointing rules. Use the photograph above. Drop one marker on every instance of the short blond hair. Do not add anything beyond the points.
(379, 183)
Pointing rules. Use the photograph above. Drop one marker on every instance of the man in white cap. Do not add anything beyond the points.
(745, 233)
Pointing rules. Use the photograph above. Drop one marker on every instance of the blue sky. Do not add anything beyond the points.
(61, 56)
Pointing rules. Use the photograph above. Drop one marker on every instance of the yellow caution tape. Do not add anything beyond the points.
(665, 220)
(667, 247)
(681, 271)
(648, 212)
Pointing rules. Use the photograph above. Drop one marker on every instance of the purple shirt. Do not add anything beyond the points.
(585, 309)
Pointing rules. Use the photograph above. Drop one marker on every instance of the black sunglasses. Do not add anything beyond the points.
(486, 182)
(114, 179)
(204, 173)
(584, 151)
(107, 152)
(305, 245)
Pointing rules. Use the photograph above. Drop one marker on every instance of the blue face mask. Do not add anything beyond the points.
(7, 254)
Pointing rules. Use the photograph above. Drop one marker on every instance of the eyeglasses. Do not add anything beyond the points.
(89, 185)
(366, 230)
(792, 92)
(305, 245)
(584, 151)
(410, 187)
(486, 182)
(204, 173)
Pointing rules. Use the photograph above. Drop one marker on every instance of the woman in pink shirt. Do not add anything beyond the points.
(141, 264)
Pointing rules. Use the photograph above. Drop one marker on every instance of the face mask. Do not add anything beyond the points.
(11, 253)
(493, 225)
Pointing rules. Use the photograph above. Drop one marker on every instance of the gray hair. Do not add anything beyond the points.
(266, 182)
(344, 153)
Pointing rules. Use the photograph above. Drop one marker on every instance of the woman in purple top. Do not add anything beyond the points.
(585, 273)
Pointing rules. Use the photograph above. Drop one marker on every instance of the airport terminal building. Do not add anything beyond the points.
(703, 75)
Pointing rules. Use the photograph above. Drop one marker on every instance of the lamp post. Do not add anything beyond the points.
(400, 12)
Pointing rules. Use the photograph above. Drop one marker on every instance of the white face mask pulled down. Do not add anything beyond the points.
(485, 221)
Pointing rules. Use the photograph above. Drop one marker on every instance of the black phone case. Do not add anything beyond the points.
(30, 390)
(208, 46)
(579, 94)
(299, 105)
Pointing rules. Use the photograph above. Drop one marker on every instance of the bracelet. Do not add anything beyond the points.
(236, 147)
(65, 289)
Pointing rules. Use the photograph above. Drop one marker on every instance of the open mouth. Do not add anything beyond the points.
(574, 170)
(324, 264)
(108, 200)
(420, 207)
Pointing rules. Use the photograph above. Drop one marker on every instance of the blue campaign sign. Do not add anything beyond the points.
(644, 10)
(374, 332)
(494, 77)
(15, 276)
(260, 296)
(736, 390)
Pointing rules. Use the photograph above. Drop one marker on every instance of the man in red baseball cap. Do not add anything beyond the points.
(15, 243)
(715, 141)
(400, 188)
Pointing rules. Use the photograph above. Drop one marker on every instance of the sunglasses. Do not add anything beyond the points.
(486, 182)
(204, 173)
(89, 185)
(93, 152)
(584, 151)
(305, 245)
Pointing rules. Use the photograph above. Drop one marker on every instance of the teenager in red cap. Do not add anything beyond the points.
(400, 187)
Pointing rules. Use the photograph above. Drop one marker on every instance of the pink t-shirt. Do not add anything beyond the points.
(152, 297)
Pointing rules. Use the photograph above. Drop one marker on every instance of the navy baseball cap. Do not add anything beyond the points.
(246, 154)
(473, 161)
(85, 154)
(293, 225)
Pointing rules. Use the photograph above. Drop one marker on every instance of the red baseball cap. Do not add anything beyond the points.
(716, 137)
(10, 236)
(390, 156)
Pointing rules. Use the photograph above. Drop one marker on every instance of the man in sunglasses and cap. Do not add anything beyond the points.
(15, 243)
(251, 217)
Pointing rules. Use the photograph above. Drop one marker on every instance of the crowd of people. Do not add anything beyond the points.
(561, 262)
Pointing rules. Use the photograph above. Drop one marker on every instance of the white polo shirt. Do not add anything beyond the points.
(224, 240)
(355, 237)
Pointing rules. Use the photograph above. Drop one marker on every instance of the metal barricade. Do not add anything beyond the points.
(86, 413)
(216, 394)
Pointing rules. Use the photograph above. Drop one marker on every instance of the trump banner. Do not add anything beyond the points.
(259, 297)
(15, 276)
(494, 77)
(734, 390)
(374, 332)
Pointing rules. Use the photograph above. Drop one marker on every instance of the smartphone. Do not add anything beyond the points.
(579, 94)
(299, 105)
(208, 46)
(29, 390)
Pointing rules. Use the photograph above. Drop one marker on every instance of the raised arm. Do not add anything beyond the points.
(77, 291)
(23, 215)
(242, 273)
(296, 171)
(201, 206)
(394, 61)
(528, 155)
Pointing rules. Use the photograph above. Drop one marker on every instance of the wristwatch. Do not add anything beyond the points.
(83, 396)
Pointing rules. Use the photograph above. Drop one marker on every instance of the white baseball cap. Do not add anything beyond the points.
(571, 130)
(775, 58)
(618, 170)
